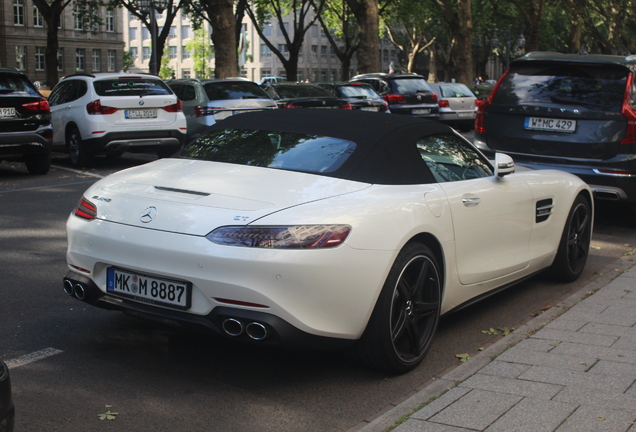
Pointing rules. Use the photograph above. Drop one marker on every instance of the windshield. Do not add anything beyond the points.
(234, 90)
(595, 87)
(131, 87)
(284, 150)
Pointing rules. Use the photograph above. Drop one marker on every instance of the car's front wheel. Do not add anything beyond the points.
(404, 320)
(77, 150)
(575, 242)
(38, 164)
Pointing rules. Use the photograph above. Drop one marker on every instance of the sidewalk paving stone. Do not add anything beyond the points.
(595, 419)
(607, 399)
(519, 387)
(565, 377)
(601, 353)
(550, 359)
(575, 337)
(533, 415)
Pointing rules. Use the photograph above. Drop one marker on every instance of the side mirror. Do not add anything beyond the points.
(504, 165)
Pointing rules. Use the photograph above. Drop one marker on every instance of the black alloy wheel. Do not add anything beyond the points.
(405, 318)
(575, 242)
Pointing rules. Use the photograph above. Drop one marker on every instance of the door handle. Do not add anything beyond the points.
(471, 201)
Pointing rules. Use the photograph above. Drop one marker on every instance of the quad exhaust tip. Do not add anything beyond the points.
(254, 330)
(233, 327)
(76, 289)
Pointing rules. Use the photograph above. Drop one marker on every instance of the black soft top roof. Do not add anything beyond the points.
(385, 143)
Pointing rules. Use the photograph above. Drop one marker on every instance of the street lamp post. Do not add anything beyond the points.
(149, 7)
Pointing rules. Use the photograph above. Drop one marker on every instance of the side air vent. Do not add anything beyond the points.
(184, 191)
(544, 209)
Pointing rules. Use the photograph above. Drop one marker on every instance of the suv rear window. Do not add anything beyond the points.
(283, 150)
(15, 85)
(300, 91)
(234, 90)
(593, 87)
(359, 91)
(410, 85)
(131, 87)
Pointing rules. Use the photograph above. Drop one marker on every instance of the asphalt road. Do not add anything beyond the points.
(160, 379)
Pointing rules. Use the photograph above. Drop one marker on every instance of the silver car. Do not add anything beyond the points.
(457, 105)
(206, 101)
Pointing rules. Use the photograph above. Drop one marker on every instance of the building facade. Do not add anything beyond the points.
(81, 49)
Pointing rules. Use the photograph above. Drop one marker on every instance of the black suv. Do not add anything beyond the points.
(406, 93)
(573, 112)
(25, 122)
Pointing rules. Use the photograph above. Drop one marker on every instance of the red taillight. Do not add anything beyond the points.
(40, 105)
(96, 107)
(346, 106)
(478, 102)
(85, 209)
(174, 107)
(442, 104)
(290, 105)
(202, 111)
(629, 113)
(394, 98)
(481, 107)
(434, 97)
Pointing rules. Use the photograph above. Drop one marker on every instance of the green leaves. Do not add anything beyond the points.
(463, 357)
(505, 331)
(107, 415)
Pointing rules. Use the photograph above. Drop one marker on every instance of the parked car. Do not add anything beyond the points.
(271, 80)
(206, 101)
(481, 91)
(361, 96)
(25, 122)
(323, 228)
(7, 409)
(110, 113)
(457, 105)
(572, 112)
(299, 95)
(406, 93)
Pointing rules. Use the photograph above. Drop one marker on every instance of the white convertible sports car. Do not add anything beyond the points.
(323, 228)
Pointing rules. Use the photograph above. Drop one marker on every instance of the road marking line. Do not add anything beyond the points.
(30, 358)
(77, 171)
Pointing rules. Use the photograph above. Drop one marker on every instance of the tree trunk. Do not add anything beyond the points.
(464, 56)
(367, 16)
(535, 14)
(50, 52)
(432, 66)
(221, 16)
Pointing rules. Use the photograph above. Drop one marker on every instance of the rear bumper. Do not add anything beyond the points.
(19, 144)
(139, 141)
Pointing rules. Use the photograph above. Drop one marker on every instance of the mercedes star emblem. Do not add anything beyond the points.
(148, 215)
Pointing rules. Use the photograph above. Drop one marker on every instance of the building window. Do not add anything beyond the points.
(243, 73)
(39, 58)
(80, 59)
(282, 48)
(97, 60)
(280, 29)
(265, 51)
(332, 52)
(20, 57)
(186, 73)
(112, 60)
(314, 31)
(300, 52)
(134, 52)
(132, 33)
(323, 76)
(385, 56)
(185, 54)
(267, 30)
(323, 52)
(172, 52)
(334, 75)
(146, 53)
(110, 21)
(314, 51)
(316, 75)
(38, 19)
(60, 59)
(78, 20)
(145, 33)
(266, 73)
(185, 32)
(18, 12)
(173, 32)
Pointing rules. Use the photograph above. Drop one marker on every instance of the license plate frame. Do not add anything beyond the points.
(550, 124)
(370, 108)
(140, 114)
(143, 292)
(8, 112)
(420, 111)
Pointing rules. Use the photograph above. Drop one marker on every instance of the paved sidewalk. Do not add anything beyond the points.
(570, 369)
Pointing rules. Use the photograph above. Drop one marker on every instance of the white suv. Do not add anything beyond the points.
(110, 113)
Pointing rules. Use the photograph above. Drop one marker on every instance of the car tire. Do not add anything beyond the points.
(574, 246)
(38, 164)
(405, 317)
(77, 150)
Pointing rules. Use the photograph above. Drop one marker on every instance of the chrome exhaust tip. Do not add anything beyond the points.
(256, 331)
(232, 327)
(79, 291)
(68, 287)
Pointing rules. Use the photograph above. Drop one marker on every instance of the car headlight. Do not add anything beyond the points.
(281, 237)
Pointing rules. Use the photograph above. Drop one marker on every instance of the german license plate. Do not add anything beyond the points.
(149, 289)
(421, 111)
(7, 112)
(372, 108)
(465, 114)
(550, 124)
(140, 114)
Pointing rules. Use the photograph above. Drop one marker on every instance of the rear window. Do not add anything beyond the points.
(131, 87)
(593, 87)
(455, 90)
(283, 150)
(300, 91)
(410, 85)
(358, 91)
(234, 90)
(15, 85)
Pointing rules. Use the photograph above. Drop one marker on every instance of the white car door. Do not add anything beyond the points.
(492, 217)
